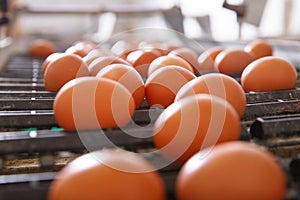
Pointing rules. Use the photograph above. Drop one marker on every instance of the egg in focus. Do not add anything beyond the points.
(269, 73)
(194, 123)
(93, 103)
(233, 61)
(127, 76)
(163, 84)
(217, 84)
(233, 170)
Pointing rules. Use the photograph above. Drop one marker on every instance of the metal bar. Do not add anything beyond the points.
(19, 86)
(4, 94)
(257, 97)
(26, 104)
(270, 109)
(276, 127)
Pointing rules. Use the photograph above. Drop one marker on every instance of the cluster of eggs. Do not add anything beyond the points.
(198, 128)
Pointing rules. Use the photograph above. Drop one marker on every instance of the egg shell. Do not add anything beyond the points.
(108, 174)
(269, 73)
(207, 59)
(101, 62)
(62, 69)
(232, 170)
(41, 48)
(259, 48)
(189, 55)
(50, 58)
(163, 84)
(217, 84)
(163, 61)
(194, 123)
(96, 53)
(233, 61)
(127, 76)
(91, 103)
(141, 59)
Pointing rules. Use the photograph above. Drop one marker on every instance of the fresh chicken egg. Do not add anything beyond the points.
(233, 61)
(163, 84)
(189, 55)
(141, 59)
(269, 73)
(163, 61)
(108, 174)
(96, 53)
(259, 48)
(127, 76)
(194, 123)
(217, 84)
(101, 62)
(50, 58)
(62, 69)
(93, 103)
(233, 170)
(41, 48)
(207, 59)
(81, 48)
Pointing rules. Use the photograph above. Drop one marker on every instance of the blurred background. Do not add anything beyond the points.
(200, 19)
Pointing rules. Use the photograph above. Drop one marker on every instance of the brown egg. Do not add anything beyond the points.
(217, 84)
(207, 59)
(194, 123)
(163, 84)
(101, 62)
(163, 61)
(62, 69)
(259, 48)
(127, 76)
(141, 59)
(189, 55)
(49, 59)
(233, 61)
(233, 170)
(269, 73)
(41, 48)
(96, 53)
(93, 103)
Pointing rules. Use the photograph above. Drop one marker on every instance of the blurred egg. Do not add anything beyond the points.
(163, 84)
(81, 48)
(141, 59)
(269, 73)
(194, 123)
(207, 59)
(108, 174)
(101, 62)
(127, 76)
(50, 58)
(123, 47)
(41, 48)
(217, 84)
(91, 103)
(233, 170)
(96, 53)
(163, 61)
(233, 61)
(187, 54)
(259, 48)
(62, 69)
